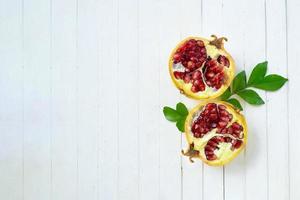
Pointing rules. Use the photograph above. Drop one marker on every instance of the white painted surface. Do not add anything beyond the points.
(83, 83)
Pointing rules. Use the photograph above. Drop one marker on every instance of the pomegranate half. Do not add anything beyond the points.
(216, 133)
(201, 68)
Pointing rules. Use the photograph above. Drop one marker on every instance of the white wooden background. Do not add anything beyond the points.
(83, 83)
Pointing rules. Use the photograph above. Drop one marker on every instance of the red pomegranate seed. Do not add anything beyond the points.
(210, 74)
(218, 139)
(223, 60)
(202, 87)
(196, 75)
(178, 75)
(212, 143)
(236, 131)
(195, 88)
(228, 139)
(190, 65)
(225, 119)
(198, 83)
(236, 144)
(235, 126)
(209, 148)
(200, 43)
(177, 57)
(211, 157)
(194, 59)
(222, 107)
(210, 153)
(223, 131)
(210, 105)
(213, 116)
(187, 78)
(197, 134)
(229, 130)
(222, 124)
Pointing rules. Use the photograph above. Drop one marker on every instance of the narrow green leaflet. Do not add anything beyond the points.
(226, 94)
(180, 124)
(258, 73)
(181, 109)
(235, 103)
(271, 82)
(171, 114)
(239, 82)
(251, 97)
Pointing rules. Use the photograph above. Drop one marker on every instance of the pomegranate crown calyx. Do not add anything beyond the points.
(191, 153)
(218, 42)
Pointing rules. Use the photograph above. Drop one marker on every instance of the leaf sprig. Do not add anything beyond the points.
(258, 79)
(239, 87)
(177, 115)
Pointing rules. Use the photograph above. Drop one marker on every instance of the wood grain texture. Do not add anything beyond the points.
(83, 84)
(11, 106)
(37, 98)
(63, 100)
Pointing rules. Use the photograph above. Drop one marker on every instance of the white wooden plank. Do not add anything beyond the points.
(234, 28)
(11, 105)
(169, 136)
(212, 24)
(87, 99)
(293, 30)
(37, 170)
(108, 55)
(277, 122)
(191, 25)
(256, 149)
(63, 100)
(128, 101)
(149, 110)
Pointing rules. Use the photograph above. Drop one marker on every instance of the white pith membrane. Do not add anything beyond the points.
(224, 150)
(213, 52)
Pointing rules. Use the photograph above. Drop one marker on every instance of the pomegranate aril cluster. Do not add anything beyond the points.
(199, 69)
(215, 116)
(191, 54)
(213, 143)
(214, 75)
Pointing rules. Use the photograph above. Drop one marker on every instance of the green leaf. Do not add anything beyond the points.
(180, 124)
(271, 82)
(171, 114)
(258, 73)
(235, 103)
(181, 109)
(239, 82)
(251, 97)
(226, 94)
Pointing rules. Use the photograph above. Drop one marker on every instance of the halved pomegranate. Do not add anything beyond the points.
(216, 133)
(201, 68)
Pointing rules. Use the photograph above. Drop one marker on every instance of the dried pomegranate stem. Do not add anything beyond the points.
(191, 153)
(218, 42)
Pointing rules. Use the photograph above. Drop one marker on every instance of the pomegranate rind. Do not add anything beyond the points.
(200, 145)
(186, 88)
